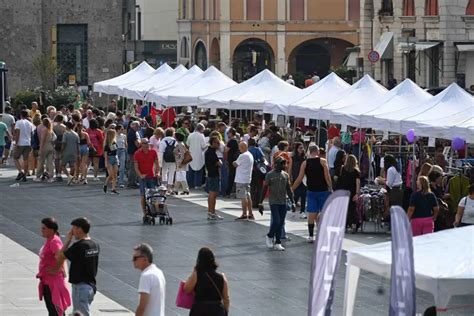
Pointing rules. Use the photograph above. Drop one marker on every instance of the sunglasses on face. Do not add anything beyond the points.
(135, 258)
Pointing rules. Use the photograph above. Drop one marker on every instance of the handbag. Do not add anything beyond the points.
(184, 299)
(187, 158)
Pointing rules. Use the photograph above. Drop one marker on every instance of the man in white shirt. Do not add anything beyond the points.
(152, 284)
(197, 146)
(22, 137)
(89, 116)
(332, 153)
(290, 80)
(9, 120)
(243, 176)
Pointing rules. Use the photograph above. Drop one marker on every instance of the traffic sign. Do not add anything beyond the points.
(374, 56)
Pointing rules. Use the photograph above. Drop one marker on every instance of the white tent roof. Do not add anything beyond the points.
(322, 91)
(453, 106)
(362, 92)
(160, 71)
(444, 264)
(138, 73)
(250, 94)
(212, 80)
(160, 94)
(353, 115)
(403, 97)
(139, 90)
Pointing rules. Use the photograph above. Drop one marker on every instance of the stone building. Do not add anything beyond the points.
(428, 41)
(242, 37)
(83, 37)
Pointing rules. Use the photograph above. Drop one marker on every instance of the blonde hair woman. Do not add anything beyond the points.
(111, 160)
(425, 169)
(423, 208)
(350, 180)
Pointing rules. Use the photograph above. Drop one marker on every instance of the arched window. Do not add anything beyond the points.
(409, 7)
(254, 10)
(184, 48)
(470, 8)
(297, 10)
(431, 7)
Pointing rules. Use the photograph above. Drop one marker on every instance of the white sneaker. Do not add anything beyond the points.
(311, 239)
(269, 242)
(217, 216)
(279, 247)
(211, 217)
(303, 216)
(37, 180)
(122, 186)
(96, 179)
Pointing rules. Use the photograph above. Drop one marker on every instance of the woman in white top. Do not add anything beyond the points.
(465, 213)
(393, 181)
(156, 139)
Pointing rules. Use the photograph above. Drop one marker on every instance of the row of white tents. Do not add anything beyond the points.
(365, 104)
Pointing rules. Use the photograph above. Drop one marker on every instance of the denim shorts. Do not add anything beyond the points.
(112, 160)
(316, 200)
(213, 184)
(147, 183)
(84, 149)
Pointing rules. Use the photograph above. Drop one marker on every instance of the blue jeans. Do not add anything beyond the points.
(224, 177)
(194, 178)
(300, 192)
(122, 156)
(277, 221)
(82, 297)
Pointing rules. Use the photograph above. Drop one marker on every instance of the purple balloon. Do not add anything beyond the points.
(457, 143)
(411, 135)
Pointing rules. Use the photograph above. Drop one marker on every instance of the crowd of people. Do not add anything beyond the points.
(250, 161)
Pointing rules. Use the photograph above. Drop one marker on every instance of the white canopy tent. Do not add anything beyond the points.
(159, 72)
(138, 73)
(453, 106)
(444, 265)
(160, 94)
(211, 81)
(362, 92)
(140, 89)
(250, 94)
(403, 97)
(322, 91)
(353, 114)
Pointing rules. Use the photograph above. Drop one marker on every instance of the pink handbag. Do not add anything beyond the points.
(184, 299)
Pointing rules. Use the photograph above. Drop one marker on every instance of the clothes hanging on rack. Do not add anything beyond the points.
(458, 187)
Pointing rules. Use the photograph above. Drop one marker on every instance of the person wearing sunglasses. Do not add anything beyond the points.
(152, 284)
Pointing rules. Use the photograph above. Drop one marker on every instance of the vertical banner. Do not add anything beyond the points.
(402, 284)
(327, 251)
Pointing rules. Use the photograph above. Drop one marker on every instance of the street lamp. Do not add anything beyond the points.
(3, 84)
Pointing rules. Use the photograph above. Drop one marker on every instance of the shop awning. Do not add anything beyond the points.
(351, 60)
(422, 46)
(465, 47)
(385, 46)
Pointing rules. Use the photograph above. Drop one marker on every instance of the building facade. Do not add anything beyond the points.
(242, 37)
(428, 41)
(84, 38)
(156, 29)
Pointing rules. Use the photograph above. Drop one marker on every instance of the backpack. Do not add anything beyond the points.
(168, 155)
(35, 142)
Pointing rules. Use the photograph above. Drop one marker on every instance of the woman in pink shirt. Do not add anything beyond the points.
(52, 286)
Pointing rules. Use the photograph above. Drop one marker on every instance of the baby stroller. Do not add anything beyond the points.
(155, 206)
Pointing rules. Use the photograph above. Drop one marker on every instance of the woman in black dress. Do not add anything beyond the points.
(209, 286)
(350, 180)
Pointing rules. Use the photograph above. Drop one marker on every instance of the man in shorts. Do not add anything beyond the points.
(243, 176)
(23, 131)
(147, 169)
(213, 164)
(70, 151)
(9, 121)
(319, 186)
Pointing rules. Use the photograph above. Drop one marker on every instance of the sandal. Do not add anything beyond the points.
(251, 218)
(241, 217)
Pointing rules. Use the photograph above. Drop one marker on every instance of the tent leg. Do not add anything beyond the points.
(352, 278)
